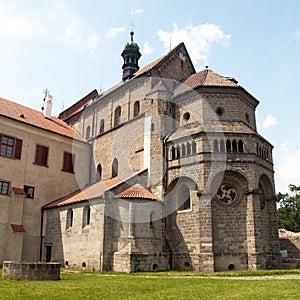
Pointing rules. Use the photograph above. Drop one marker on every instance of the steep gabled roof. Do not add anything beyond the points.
(35, 118)
(206, 77)
(158, 62)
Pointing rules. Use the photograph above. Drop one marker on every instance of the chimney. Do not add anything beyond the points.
(47, 110)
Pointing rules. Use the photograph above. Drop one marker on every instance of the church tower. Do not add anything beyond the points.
(131, 56)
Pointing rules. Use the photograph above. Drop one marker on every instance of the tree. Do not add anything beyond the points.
(289, 209)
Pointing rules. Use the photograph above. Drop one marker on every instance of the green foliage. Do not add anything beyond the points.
(158, 285)
(289, 209)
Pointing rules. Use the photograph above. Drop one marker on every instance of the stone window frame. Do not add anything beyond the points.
(136, 108)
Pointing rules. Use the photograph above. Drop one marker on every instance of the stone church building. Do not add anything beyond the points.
(171, 174)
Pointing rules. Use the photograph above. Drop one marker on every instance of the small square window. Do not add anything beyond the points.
(29, 191)
(4, 185)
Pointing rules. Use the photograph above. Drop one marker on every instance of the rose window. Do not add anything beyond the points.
(226, 194)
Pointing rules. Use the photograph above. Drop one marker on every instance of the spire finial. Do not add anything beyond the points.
(131, 34)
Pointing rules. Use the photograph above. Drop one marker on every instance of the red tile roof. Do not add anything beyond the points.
(138, 192)
(206, 77)
(18, 191)
(89, 192)
(35, 118)
(17, 228)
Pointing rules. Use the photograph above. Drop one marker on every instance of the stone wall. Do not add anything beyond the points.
(31, 271)
(290, 241)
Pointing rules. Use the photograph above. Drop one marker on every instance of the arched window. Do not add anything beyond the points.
(185, 200)
(136, 109)
(117, 116)
(222, 146)
(99, 173)
(216, 146)
(86, 216)
(69, 219)
(234, 146)
(151, 221)
(88, 132)
(173, 153)
(194, 150)
(188, 149)
(183, 152)
(241, 146)
(228, 146)
(114, 171)
(101, 126)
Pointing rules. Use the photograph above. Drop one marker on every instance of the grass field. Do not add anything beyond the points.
(282, 284)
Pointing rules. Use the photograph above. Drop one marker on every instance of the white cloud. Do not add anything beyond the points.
(136, 11)
(269, 121)
(147, 49)
(114, 31)
(287, 170)
(198, 39)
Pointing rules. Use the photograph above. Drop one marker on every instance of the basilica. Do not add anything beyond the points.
(164, 170)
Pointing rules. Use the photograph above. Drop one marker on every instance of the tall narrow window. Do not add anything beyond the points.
(228, 146)
(117, 119)
(216, 146)
(99, 173)
(151, 221)
(10, 147)
(41, 155)
(136, 109)
(241, 146)
(69, 219)
(222, 146)
(68, 162)
(4, 185)
(185, 200)
(183, 152)
(194, 147)
(114, 172)
(234, 146)
(101, 126)
(86, 216)
(188, 149)
(88, 132)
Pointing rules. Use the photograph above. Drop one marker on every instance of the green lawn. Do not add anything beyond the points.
(161, 285)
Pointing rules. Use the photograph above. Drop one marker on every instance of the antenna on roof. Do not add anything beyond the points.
(170, 41)
(46, 92)
(100, 87)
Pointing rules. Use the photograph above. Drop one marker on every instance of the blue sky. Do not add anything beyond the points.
(73, 47)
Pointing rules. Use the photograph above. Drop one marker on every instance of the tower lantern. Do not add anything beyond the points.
(131, 56)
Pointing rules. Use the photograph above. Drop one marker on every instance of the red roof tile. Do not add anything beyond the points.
(18, 191)
(138, 192)
(17, 228)
(35, 118)
(206, 77)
